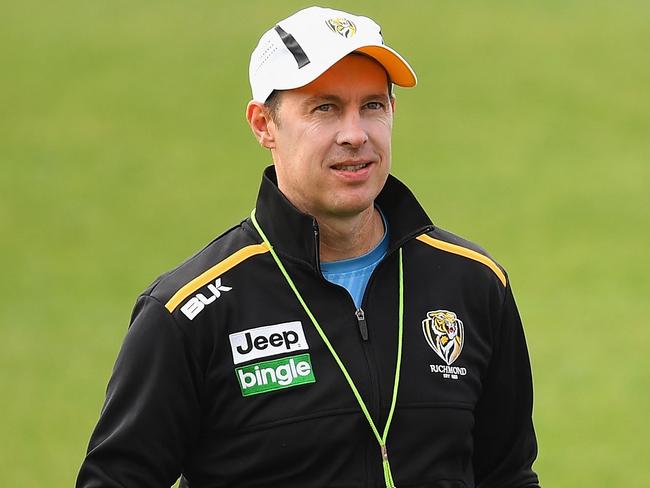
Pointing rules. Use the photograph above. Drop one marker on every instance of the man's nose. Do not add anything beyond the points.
(352, 132)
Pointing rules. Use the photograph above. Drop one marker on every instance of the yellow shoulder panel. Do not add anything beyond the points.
(215, 271)
(463, 251)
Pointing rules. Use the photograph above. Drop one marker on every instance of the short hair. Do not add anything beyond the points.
(272, 103)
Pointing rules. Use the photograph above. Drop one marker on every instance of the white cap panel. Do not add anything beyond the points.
(303, 46)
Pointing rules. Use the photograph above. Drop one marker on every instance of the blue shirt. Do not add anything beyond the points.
(353, 274)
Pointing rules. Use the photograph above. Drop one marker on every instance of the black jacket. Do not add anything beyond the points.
(222, 377)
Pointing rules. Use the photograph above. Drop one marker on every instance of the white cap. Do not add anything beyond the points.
(303, 46)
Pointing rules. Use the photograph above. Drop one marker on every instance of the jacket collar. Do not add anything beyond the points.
(295, 234)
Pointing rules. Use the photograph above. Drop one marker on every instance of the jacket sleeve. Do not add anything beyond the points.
(151, 412)
(504, 438)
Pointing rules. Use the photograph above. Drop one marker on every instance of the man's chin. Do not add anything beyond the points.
(350, 208)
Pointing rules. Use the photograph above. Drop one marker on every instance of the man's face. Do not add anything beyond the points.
(332, 139)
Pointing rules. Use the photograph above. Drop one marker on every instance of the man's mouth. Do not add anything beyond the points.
(350, 167)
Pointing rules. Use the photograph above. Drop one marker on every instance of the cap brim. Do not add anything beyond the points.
(398, 69)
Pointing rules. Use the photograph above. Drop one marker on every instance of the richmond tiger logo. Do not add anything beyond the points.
(342, 26)
(445, 334)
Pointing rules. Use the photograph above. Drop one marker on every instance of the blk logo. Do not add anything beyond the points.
(197, 303)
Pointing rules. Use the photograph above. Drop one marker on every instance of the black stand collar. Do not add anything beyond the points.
(295, 234)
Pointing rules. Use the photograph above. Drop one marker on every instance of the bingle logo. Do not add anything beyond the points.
(268, 340)
(197, 303)
(275, 374)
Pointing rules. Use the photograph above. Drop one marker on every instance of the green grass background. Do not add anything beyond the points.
(123, 149)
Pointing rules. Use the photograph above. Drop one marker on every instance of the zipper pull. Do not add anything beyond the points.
(363, 326)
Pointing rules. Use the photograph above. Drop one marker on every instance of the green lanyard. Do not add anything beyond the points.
(381, 439)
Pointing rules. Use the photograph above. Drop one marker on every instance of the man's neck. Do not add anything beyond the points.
(350, 237)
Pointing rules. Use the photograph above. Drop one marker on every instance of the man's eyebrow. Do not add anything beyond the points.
(377, 96)
(319, 99)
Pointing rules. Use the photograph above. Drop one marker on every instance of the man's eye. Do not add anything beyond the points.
(326, 107)
(375, 105)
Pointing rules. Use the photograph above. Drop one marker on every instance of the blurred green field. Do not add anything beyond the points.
(123, 149)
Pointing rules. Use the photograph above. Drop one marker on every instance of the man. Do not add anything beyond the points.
(335, 338)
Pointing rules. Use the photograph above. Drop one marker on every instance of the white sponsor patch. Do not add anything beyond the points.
(268, 340)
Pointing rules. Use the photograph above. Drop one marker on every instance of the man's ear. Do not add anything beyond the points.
(392, 103)
(261, 124)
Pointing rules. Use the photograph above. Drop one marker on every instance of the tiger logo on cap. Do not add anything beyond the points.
(444, 332)
(342, 26)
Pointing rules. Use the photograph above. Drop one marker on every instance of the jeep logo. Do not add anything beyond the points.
(267, 341)
(261, 342)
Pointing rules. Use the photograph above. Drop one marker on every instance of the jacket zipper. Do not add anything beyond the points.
(374, 402)
(361, 320)
(369, 354)
(371, 363)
